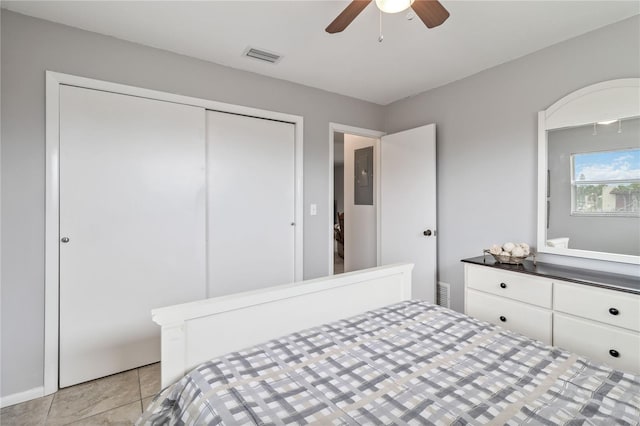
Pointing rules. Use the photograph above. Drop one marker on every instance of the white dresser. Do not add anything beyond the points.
(548, 303)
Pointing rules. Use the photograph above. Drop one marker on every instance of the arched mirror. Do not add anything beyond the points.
(589, 173)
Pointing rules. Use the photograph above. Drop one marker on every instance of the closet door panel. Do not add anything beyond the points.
(251, 206)
(132, 206)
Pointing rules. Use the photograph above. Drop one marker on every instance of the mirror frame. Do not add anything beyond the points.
(608, 100)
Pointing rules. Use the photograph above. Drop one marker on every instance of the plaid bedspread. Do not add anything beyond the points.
(407, 364)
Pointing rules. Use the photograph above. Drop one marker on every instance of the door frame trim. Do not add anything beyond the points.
(357, 131)
(52, 190)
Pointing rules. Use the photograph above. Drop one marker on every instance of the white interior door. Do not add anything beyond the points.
(251, 217)
(360, 229)
(132, 226)
(408, 205)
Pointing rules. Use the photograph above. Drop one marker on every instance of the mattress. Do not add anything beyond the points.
(408, 363)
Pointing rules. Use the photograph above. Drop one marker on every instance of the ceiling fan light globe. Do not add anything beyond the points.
(393, 6)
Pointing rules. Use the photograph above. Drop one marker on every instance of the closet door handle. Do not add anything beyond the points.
(614, 311)
(64, 239)
(503, 285)
(503, 319)
(614, 353)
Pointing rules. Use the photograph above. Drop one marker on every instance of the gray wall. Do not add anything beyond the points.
(486, 128)
(612, 234)
(338, 186)
(338, 169)
(29, 47)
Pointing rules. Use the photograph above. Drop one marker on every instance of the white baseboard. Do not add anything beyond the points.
(19, 397)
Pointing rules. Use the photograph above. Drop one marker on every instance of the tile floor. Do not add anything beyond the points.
(113, 400)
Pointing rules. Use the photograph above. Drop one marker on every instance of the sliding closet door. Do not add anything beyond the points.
(132, 226)
(251, 202)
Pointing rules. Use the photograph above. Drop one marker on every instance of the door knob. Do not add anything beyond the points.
(65, 239)
(427, 233)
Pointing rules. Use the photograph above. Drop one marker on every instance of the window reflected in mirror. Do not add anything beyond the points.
(593, 198)
(606, 183)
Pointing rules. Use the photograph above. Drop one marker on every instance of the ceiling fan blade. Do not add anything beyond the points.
(431, 12)
(347, 16)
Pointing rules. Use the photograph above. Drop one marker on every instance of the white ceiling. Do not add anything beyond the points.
(411, 59)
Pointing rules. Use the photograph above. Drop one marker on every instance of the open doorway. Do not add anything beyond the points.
(338, 202)
(354, 195)
(404, 177)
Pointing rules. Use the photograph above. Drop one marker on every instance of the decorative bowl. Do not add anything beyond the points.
(511, 260)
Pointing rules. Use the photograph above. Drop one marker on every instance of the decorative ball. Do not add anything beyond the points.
(525, 247)
(517, 251)
(495, 249)
(508, 247)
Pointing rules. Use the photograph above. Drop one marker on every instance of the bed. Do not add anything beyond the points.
(402, 362)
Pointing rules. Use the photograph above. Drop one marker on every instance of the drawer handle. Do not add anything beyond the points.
(614, 353)
(614, 311)
(503, 285)
(503, 319)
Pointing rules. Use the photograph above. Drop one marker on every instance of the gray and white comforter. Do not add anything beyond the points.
(409, 363)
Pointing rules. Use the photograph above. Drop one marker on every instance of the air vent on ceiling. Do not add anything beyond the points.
(262, 55)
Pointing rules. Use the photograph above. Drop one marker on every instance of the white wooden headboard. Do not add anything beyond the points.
(198, 331)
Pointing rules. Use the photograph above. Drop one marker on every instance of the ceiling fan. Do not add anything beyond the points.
(431, 12)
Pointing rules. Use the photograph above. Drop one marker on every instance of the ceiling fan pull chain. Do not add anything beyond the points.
(381, 37)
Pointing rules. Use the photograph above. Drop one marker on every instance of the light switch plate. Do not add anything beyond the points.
(313, 210)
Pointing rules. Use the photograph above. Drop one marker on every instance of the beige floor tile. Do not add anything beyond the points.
(125, 415)
(149, 379)
(88, 399)
(146, 402)
(30, 413)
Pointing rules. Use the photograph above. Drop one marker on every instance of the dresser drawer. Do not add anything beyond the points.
(598, 304)
(516, 316)
(595, 341)
(514, 285)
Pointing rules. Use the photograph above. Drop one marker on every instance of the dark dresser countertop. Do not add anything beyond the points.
(626, 283)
